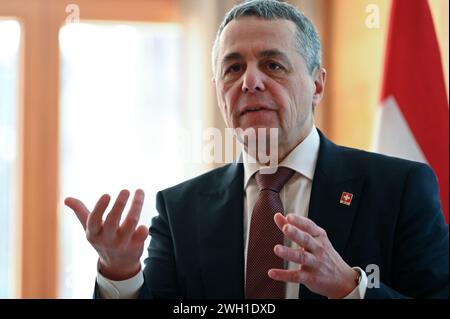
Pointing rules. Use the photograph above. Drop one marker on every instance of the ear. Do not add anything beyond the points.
(319, 77)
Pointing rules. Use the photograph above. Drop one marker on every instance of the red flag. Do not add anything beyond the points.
(414, 116)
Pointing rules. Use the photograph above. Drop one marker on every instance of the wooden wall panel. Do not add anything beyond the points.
(41, 21)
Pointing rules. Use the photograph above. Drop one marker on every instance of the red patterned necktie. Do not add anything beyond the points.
(264, 235)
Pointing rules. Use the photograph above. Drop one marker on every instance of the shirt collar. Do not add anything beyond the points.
(302, 159)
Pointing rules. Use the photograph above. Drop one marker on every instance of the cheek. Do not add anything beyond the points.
(295, 101)
(231, 95)
(284, 101)
(228, 96)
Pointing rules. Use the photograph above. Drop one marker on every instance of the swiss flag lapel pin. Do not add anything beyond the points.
(346, 198)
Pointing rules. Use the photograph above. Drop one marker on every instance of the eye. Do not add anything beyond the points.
(235, 68)
(273, 66)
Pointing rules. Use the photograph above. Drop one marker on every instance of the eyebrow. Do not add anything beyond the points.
(274, 53)
(271, 53)
(233, 56)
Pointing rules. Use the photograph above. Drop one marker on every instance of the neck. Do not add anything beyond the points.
(282, 150)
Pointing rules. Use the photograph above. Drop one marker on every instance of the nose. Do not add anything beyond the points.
(253, 80)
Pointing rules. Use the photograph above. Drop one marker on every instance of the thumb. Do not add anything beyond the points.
(79, 208)
(140, 234)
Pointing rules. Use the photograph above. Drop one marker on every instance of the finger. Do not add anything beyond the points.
(280, 220)
(113, 220)
(301, 237)
(140, 235)
(132, 219)
(305, 224)
(79, 208)
(297, 256)
(94, 221)
(288, 275)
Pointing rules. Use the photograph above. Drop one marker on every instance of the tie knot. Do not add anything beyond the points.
(275, 181)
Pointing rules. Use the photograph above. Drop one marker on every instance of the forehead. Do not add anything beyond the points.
(255, 34)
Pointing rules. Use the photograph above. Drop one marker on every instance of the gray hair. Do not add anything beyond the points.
(307, 40)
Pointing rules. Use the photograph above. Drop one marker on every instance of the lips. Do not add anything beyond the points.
(253, 108)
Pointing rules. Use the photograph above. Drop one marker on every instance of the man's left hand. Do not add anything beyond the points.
(321, 268)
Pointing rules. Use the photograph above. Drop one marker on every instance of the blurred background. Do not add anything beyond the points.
(101, 95)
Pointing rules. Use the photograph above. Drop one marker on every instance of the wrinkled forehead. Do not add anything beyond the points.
(252, 33)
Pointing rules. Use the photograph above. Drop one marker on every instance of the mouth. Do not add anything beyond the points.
(253, 109)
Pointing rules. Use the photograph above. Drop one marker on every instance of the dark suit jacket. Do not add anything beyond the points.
(394, 221)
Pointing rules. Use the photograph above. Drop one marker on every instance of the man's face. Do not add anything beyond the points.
(262, 81)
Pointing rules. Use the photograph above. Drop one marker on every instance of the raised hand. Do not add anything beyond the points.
(119, 246)
(321, 268)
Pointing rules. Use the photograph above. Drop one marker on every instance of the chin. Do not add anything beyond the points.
(257, 127)
(245, 132)
(257, 122)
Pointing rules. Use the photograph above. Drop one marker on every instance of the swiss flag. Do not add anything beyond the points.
(346, 198)
(414, 115)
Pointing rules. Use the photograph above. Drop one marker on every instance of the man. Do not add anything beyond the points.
(220, 235)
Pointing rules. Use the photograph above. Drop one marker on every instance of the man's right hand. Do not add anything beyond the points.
(119, 246)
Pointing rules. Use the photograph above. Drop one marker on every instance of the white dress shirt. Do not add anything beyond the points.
(295, 197)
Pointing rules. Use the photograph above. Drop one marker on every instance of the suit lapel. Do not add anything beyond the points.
(332, 177)
(221, 235)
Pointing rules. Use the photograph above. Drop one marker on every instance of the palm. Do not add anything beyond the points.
(119, 245)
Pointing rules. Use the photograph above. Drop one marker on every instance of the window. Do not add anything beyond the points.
(120, 106)
(9, 52)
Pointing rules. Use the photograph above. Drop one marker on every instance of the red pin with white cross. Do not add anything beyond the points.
(346, 198)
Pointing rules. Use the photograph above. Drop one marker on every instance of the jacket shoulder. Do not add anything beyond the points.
(204, 182)
(375, 162)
